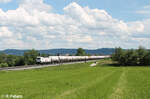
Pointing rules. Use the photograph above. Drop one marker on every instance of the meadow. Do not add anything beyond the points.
(78, 81)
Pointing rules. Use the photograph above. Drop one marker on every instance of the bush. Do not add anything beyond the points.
(11, 60)
(130, 57)
(146, 58)
(141, 54)
(118, 55)
(19, 61)
(3, 65)
(30, 57)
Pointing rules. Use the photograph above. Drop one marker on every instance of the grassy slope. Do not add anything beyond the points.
(78, 81)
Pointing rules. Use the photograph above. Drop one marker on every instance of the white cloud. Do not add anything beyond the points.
(137, 27)
(147, 7)
(5, 1)
(32, 5)
(4, 32)
(40, 28)
(78, 38)
(144, 11)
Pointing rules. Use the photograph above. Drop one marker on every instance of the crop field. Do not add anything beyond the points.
(77, 81)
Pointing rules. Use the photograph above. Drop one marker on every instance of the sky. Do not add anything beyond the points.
(90, 24)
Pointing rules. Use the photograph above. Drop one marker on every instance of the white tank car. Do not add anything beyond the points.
(57, 59)
(63, 58)
(54, 58)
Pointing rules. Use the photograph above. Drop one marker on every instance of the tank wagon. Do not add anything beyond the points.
(63, 59)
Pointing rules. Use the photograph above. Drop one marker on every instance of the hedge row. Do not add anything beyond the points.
(29, 58)
(140, 56)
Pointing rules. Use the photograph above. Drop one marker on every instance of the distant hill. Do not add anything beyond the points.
(103, 51)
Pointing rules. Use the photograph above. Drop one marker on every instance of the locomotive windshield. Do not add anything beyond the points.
(38, 58)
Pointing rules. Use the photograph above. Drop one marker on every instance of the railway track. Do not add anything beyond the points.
(38, 66)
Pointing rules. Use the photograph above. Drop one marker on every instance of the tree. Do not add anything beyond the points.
(11, 60)
(147, 58)
(141, 54)
(19, 61)
(132, 57)
(30, 57)
(80, 52)
(3, 58)
(117, 54)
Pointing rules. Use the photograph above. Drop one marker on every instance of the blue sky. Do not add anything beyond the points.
(74, 23)
(120, 9)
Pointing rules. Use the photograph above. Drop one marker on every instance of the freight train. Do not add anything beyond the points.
(63, 59)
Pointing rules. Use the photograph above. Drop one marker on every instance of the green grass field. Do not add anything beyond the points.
(78, 81)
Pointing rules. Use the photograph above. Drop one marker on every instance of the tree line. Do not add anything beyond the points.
(134, 57)
(29, 58)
